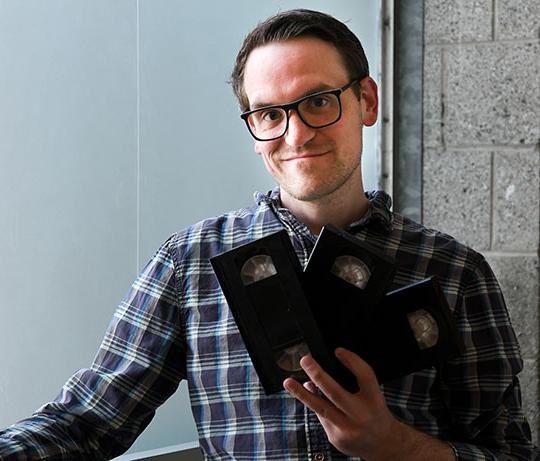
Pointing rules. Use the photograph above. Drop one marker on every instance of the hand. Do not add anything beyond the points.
(358, 424)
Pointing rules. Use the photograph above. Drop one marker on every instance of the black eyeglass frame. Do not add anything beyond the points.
(294, 106)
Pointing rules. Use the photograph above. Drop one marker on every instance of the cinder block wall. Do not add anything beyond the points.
(481, 114)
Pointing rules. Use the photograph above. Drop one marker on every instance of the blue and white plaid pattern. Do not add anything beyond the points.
(175, 324)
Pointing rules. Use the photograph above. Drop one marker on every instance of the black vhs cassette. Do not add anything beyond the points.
(261, 282)
(345, 280)
(412, 329)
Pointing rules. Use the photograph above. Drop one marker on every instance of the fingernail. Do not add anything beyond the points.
(306, 361)
(287, 384)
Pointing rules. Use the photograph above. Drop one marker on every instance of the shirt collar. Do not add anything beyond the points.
(378, 213)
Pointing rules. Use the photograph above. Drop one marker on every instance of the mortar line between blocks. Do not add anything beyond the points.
(443, 94)
(506, 41)
(494, 17)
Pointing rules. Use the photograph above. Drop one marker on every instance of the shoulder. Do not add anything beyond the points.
(421, 251)
(433, 244)
(409, 242)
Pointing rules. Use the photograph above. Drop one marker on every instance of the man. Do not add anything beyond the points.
(302, 80)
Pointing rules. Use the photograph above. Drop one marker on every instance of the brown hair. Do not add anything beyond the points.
(300, 23)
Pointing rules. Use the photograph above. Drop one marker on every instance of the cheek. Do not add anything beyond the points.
(265, 148)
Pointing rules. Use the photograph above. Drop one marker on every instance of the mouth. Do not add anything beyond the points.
(305, 155)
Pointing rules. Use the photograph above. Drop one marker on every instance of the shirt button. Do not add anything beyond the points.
(319, 457)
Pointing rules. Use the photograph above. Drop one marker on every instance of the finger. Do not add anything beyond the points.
(310, 387)
(323, 408)
(333, 391)
(365, 376)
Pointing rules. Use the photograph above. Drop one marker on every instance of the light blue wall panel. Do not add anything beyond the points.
(67, 188)
(117, 128)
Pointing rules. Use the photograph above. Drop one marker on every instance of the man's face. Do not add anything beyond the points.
(309, 164)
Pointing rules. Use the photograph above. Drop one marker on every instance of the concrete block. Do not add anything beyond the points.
(432, 97)
(457, 195)
(516, 201)
(493, 94)
(518, 277)
(529, 391)
(517, 19)
(454, 21)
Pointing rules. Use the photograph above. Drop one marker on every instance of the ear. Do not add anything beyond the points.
(370, 101)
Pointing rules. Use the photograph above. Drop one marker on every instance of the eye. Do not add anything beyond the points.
(319, 102)
(271, 115)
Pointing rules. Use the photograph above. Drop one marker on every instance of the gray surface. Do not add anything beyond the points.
(432, 98)
(408, 109)
(184, 452)
(517, 20)
(516, 201)
(493, 94)
(452, 21)
(481, 101)
(457, 195)
(105, 150)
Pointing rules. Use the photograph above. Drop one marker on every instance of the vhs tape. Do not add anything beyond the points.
(413, 329)
(345, 279)
(261, 282)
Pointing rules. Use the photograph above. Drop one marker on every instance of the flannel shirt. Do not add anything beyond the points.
(174, 324)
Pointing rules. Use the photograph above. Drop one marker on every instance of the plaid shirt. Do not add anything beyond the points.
(175, 324)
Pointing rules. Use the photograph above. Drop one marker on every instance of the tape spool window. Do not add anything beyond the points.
(352, 270)
(424, 327)
(288, 359)
(257, 268)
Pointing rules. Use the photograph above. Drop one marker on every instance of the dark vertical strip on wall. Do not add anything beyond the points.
(408, 66)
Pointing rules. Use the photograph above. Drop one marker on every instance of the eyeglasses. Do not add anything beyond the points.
(316, 110)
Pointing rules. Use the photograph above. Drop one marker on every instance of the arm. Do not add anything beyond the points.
(481, 388)
(101, 410)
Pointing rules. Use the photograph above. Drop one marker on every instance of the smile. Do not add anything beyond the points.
(305, 156)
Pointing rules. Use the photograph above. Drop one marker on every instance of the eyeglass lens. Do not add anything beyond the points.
(315, 111)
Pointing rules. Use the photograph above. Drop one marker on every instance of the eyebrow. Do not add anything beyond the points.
(317, 89)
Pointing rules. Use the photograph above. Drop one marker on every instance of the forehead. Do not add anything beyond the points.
(280, 72)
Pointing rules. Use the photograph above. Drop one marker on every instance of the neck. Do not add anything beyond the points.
(338, 208)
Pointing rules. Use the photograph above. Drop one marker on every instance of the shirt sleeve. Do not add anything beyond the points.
(481, 388)
(101, 410)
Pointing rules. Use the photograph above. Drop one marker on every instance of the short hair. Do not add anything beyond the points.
(300, 23)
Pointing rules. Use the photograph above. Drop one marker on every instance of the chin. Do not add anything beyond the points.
(310, 194)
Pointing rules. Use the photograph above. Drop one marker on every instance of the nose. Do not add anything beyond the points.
(298, 133)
